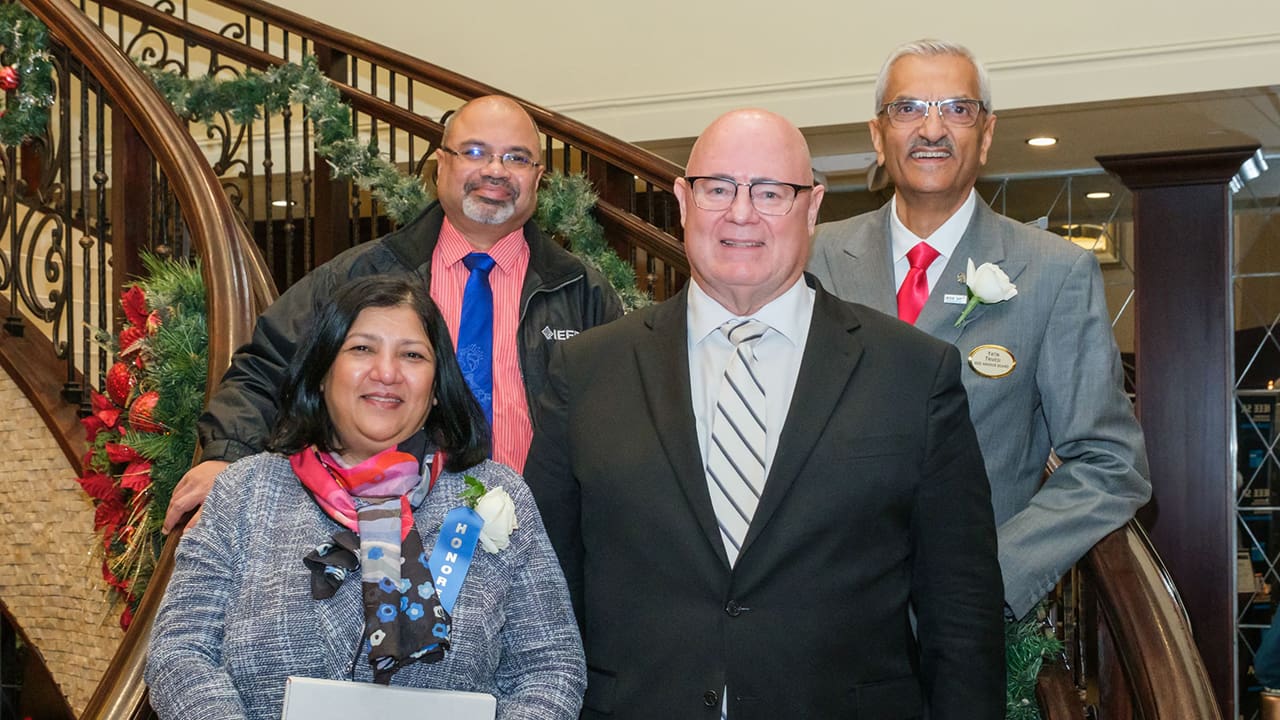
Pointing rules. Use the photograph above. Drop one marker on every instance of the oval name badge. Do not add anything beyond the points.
(993, 361)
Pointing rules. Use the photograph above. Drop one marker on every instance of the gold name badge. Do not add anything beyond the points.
(993, 361)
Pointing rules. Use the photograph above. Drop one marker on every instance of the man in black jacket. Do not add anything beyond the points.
(488, 172)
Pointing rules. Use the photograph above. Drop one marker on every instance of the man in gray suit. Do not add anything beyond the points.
(1043, 370)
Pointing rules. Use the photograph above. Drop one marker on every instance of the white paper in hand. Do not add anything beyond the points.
(312, 699)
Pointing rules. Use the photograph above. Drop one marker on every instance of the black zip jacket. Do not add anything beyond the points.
(560, 298)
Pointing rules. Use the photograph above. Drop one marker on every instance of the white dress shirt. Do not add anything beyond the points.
(778, 354)
(944, 240)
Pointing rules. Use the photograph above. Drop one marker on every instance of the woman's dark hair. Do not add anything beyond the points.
(456, 423)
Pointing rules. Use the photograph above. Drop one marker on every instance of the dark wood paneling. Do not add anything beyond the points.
(1183, 341)
(130, 211)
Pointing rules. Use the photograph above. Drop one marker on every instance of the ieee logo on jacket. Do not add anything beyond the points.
(550, 334)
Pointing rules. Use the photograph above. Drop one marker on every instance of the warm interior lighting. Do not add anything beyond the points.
(1042, 141)
(1098, 195)
(282, 203)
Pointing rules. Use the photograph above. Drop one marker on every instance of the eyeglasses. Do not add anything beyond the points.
(955, 112)
(768, 197)
(479, 156)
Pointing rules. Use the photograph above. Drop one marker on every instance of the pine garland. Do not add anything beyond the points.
(142, 432)
(178, 371)
(25, 42)
(564, 202)
(249, 96)
(564, 210)
(1028, 642)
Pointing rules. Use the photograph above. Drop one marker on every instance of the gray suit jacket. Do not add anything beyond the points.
(238, 616)
(1065, 393)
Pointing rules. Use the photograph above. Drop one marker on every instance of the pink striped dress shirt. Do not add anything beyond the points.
(512, 429)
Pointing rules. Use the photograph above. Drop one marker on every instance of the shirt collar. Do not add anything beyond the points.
(453, 246)
(944, 239)
(787, 314)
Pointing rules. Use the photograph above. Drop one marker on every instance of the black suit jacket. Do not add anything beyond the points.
(876, 500)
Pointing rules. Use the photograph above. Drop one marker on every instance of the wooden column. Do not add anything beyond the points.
(130, 208)
(332, 224)
(1184, 361)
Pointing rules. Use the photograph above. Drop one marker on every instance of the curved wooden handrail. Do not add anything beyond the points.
(1057, 695)
(646, 236)
(1147, 621)
(209, 217)
(229, 281)
(640, 163)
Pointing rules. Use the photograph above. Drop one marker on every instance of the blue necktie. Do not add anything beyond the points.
(475, 332)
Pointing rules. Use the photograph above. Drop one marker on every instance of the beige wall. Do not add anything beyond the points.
(663, 69)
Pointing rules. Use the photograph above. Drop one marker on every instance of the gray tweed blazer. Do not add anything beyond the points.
(238, 617)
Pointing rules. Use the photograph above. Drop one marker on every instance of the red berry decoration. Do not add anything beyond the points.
(140, 413)
(120, 383)
(8, 78)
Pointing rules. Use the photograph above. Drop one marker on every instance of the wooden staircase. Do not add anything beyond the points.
(1136, 658)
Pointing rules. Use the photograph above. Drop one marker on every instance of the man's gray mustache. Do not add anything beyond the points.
(506, 184)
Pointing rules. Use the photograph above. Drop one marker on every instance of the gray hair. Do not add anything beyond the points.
(933, 48)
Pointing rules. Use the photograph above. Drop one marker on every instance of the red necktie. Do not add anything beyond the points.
(915, 288)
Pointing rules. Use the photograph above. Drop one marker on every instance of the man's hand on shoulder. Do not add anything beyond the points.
(191, 491)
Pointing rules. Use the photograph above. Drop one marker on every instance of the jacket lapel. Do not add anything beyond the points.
(831, 354)
(664, 377)
(983, 241)
(863, 271)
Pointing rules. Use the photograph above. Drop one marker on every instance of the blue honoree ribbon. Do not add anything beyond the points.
(452, 555)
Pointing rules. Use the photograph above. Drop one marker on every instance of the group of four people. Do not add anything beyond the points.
(766, 501)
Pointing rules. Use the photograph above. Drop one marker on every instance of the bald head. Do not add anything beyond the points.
(767, 132)
(496, 107)
(741, 256)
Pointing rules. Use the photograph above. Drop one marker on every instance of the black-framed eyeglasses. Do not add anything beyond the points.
(956, 112)
(479, 156)
(768, 197)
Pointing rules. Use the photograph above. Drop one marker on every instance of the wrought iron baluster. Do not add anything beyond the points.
(105, 299)
(373, 143)
(13, 323)
(268, 178)
(353, 223)
(72, 389)
(86, 239)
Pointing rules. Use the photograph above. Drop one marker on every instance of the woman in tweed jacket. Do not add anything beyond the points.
(239, 615)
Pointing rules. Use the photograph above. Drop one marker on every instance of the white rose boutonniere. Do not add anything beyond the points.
(497, 510)
(987, 285)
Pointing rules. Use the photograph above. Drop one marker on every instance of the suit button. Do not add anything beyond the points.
(733, 609)
(710, 698)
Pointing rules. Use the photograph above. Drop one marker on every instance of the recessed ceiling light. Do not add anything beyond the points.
(282, 203)
(1042, 141)
(1098, 195)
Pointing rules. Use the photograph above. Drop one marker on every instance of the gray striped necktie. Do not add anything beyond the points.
(736, 459)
